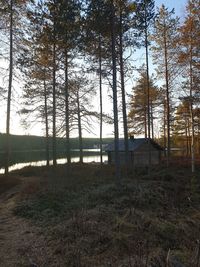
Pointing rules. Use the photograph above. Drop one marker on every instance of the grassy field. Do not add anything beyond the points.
(87, 221)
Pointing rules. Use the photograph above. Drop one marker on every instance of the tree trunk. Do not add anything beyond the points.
(80, 130)
(164, 128)
(123, 95)
(192, 118)
(167, 97)
(145, 121)
(54, 106)
(148, 91)
(145, 114)
(68, 149)
(152, 122)
(192, 140)
(186, 137)
(100, 99)
(198, 139)
(9, 91)
(115, 106)
(46, 123)
(189, 135)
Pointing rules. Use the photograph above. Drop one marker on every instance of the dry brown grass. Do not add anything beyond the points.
(77, 217)
(7, 182)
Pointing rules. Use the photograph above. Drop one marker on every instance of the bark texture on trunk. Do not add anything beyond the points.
(46, 123)
(152, 121)
(54, 106)
(167, 97)
(123, 94)
(192, 117)
(7, 163)
(148, 91)
(67, 131)
(79, 131)
(114, 85)
(100, 99)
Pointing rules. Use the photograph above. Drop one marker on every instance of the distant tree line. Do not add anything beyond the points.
(20, 143)
(66, 50)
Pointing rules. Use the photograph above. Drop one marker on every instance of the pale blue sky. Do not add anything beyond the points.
(179, 5)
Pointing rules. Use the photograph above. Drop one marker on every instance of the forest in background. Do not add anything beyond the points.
(66, 52)
(28, 143)
(25, 148)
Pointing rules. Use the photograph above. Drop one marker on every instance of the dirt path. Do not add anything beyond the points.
(21, 244)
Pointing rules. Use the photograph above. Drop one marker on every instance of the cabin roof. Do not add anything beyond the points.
(133, 144)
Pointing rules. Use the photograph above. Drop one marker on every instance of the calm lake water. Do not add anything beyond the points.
(92, 157)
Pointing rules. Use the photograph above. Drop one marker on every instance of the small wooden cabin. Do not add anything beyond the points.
(138, 152)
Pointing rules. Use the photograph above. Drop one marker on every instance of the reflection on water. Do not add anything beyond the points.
(86, 159)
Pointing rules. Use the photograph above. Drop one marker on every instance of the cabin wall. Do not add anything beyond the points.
(142, 158)
(139, 157)
(122, 157)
